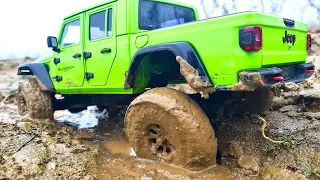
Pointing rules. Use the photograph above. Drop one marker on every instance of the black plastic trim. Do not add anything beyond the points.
(289, 23)
(297, 73)
(183, 49)
(39, 70)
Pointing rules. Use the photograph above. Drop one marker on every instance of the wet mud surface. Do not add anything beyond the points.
(92, 145)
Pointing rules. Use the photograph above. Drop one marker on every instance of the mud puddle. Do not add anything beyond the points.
(119, 145)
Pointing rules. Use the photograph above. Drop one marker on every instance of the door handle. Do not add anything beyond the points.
(78, 55)
(105, 50)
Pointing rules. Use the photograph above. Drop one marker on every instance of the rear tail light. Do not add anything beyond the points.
(277, 78)
(308, 42)
(250, 38)
(309, 71)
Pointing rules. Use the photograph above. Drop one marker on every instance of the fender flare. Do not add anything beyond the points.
(183, 49)
(39, 70)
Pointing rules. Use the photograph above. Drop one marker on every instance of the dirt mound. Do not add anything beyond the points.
(31, 150)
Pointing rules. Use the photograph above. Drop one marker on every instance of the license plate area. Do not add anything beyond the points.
(286, 73)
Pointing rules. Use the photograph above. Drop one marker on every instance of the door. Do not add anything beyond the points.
(100, 47)
(69, 61)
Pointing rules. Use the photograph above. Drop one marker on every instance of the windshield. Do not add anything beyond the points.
(156, 15)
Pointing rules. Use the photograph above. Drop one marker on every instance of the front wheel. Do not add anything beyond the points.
(165, 124)
(33, 101)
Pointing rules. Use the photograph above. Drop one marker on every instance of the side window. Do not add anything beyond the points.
(71, 34)
(109, 22)
(98, 26)
(157, 15)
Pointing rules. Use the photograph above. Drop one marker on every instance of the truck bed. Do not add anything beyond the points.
(217, 42)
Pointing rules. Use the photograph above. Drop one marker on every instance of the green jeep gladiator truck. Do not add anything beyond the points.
(129, 52)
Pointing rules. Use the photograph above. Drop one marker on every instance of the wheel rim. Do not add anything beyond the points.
(159, 144)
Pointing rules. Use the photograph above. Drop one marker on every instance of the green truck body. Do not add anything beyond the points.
(99, 65)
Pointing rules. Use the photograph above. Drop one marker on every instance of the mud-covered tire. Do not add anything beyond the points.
(166, 124)
(33, 101)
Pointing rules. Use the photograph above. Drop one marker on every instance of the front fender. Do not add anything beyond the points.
(38, 70)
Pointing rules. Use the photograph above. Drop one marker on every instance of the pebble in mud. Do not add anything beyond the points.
(141, 166)
(24, 126)
(244, 160)
(146, 178)
(79, 149)
(2, 160)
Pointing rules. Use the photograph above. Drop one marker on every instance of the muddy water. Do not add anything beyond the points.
(118, 144)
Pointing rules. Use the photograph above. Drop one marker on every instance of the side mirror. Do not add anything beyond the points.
(53, 43)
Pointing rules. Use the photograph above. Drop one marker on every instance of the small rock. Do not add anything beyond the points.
(141, 166)
(47, 139)
(146, 178)
(2, 160)
(283, 110)
(160, 171)
(244, 161)
(24, 126)
(51, 166)
(152, 172)
(75, 142)
(248, 162)
(79, 149)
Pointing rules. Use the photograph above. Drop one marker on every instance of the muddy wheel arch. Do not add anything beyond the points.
(182, 49)
(39, 71)
(167, 124)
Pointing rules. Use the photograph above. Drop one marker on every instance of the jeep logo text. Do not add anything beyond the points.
(289, 38)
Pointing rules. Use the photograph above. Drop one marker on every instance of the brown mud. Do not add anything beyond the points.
(93, 145)
(192, 77)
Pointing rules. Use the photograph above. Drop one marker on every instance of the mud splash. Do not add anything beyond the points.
(248, 82)
(192, 77)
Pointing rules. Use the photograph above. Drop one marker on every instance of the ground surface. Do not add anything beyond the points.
(91, 145)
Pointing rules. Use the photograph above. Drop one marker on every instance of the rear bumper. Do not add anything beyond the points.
(293, 73)
(267, 77)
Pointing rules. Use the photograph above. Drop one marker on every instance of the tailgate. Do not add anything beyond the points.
(284, 41)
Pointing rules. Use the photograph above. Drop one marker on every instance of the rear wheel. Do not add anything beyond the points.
(165, 124)
(33, 101)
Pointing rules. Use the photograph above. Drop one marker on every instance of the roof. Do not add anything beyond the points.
(89, 8)
(110, 1)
